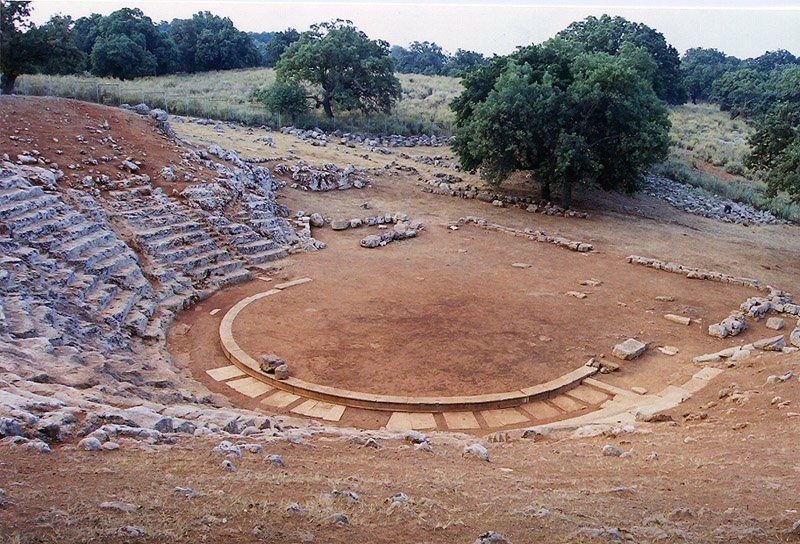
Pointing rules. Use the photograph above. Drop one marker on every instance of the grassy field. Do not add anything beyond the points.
(423, 107)
(710, 136)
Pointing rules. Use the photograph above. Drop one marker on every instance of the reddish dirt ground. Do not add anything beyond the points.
(422, 318)
(727, 473)
(51, 127)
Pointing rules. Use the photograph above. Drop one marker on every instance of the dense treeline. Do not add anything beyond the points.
(428, 58)
(127, 44)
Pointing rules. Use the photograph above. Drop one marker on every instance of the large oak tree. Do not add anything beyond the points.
(341, 67)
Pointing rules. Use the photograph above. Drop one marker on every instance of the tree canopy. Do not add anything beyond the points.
(129, 45)
(425, 58)
(271, 45)
(208, 42)
(609, 34)
(702, 67)
(568, 116)
(342, 67)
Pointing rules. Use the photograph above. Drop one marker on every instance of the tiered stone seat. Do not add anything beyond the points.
(175, 240)
(253, 247)
(84, 261)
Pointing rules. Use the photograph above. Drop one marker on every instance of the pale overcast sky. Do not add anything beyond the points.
(744, 28)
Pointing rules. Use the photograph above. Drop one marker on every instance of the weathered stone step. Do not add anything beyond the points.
(17, 194)
(74, 248)
(107, 266)
(232, 278)
(33, 216)
(192, 263)
(267, 256)
(18, 208)
(56, 228)
(115, 313)
(99, 297)
(259, 246)
(185, 251)
(166, 230)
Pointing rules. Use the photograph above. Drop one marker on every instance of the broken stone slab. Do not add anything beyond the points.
(521, 265)
(730, 326)
(774, 343)
(591, 282)
(340, 224)
(576, 294)
(680, 319)
(668, 350)
(707, 358)
(776, 323)
(794, 337)
(629, 349)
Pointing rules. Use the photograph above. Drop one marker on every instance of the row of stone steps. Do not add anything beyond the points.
(86, 264)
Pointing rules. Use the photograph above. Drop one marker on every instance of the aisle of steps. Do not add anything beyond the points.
(92, 267)
(247, 243)
(176, 241)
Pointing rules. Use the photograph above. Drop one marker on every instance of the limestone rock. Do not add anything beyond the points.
(774, 343)
(269, 362)
(491, 537)
(794, 337)
(282, 372)
(316, 220)
(680, 319)
(776, 323)
(477, 451)
(629, 349)
(340, 224)
(611, 451)
(371, 241)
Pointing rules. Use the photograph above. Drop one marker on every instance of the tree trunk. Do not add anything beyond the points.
(326, 105)
(566, 195)
(8, 83)
(546, 190)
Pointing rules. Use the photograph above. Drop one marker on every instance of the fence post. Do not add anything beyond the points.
(166, 107)
(97, 92)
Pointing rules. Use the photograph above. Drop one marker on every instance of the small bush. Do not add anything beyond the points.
(283, 98)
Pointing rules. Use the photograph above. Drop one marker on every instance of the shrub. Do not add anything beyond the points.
(283, 98)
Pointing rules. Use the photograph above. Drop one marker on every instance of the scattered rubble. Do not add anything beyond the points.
(699, 202)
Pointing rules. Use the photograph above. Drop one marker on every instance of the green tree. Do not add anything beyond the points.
(20, 49)
(572, 118)
(208, 42)
(775, 149)
(462, 62)
(702, 67)
(344, 67)
(129, 45)
(775, 145)
(426, 58)
(608, 34)
(772, 60)
(58, 37)
(284, 98)
(740, 92)
(273, 44)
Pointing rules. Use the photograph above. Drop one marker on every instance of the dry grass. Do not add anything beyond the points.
(710, 136)
(225, 95)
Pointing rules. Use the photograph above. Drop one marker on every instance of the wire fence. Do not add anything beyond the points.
(237, 109)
